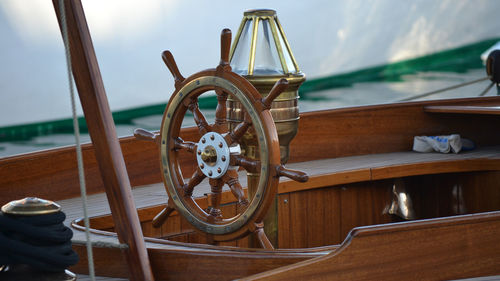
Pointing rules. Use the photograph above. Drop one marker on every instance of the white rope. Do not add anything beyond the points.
(102, 244)
(76, 127)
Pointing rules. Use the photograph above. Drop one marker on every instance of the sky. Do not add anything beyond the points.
(326, 37)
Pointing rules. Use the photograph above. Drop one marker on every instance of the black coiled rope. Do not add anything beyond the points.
(41, 241)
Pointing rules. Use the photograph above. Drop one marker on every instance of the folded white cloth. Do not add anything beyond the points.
(443, 144)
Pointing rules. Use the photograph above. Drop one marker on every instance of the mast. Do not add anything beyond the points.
(103, 134)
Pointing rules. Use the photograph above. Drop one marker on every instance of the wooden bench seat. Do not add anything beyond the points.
(328, 172)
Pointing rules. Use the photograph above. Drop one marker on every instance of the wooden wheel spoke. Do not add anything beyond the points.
(199, 118)
(162, 216)
(169, 60)
(143, 134)
(215, 198)
(225, 44)
(278, 88)
(187, 145)
(249, 165)
(299, 176)
(195, 179)
(239, 131)
(220, 125)
(231, 179)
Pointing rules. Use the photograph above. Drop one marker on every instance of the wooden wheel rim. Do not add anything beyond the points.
(263, 126)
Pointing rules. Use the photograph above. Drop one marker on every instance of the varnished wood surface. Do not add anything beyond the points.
(102, 131)
(331, 172)
(464, 109)
(324, 134)
(348, 134)
(171, 260)
(439, 249)
(304, 221)
(324, 216)
(386, 128)
(352, 169)
(313, 228)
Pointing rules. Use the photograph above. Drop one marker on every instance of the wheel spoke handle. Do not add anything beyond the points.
(162, 216)
(278, 88)
(146, 135)
(181, 144)
(250, 165)
(225, 42)
(169, 60)
(292, 174)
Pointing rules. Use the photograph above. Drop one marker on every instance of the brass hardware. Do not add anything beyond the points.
(264, 74)
(458, 202)
(223, 158)
(202, 165)
(209, 156)
(30, 206)
(261, 54)
(401, 205)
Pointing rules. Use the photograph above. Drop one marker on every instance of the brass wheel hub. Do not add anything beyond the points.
(209, 156)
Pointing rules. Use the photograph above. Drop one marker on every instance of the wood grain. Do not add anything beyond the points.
(409, 251)
(464, 109)
(322, 135)
(103, 134)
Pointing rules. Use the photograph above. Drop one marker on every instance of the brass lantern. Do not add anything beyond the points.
(261, 53)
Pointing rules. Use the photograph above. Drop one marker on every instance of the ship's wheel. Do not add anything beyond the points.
(217, 153)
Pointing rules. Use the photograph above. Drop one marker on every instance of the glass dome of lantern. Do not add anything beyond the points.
(260, 47)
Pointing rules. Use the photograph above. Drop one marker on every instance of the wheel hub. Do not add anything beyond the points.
(209, 155)
(213, 155)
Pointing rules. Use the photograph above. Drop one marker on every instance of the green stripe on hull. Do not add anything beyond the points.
(457, 60)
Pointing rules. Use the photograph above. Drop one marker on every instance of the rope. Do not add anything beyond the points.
(444, 89)
(41, 241)
(76, 127)
(102, 244)
(487, 89)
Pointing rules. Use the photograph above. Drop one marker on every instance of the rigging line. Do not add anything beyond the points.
(444, 89)
(487, 89)
(103, 244)
(81, 173)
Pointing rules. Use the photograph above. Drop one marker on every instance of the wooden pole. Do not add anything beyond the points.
(103, 134)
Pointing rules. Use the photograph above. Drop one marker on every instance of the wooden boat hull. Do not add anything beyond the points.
(353, 157)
